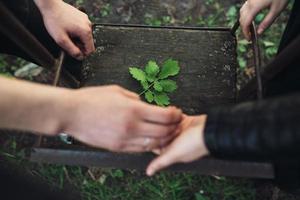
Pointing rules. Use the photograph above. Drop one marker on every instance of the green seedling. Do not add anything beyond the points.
(155, 80)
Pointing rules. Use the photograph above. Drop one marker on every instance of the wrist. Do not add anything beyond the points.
(48, 111)
(47, 5)
(54, 111)
(64, 107)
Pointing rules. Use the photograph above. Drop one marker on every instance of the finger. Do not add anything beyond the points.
(160, 150)
(134, 149)
(67, 44)
(146, 129)
(247, 15)
(159, 115)
(87, 40)
(152, 143)
(266, 23)
(157, 151)
(164, 160)
(245, 22)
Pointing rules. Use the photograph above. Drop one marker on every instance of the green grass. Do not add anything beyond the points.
(96, 183)
(121, 184)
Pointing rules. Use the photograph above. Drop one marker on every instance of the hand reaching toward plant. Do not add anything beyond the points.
(107, 117)
(115, 119)
(251, 8)
(70, 28)
(187, 147)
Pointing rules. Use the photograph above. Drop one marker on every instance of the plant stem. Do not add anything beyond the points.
(147, 89)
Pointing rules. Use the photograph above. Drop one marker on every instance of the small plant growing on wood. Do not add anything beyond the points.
(155, 80)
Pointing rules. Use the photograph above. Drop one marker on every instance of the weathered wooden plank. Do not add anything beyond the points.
(207, 59)
(206, 166)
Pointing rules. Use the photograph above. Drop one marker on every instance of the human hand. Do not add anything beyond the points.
(251, 8)
(187, 147)
(115, 119)
(70, 28)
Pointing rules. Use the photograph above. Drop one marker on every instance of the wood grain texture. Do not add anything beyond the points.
(205, 166)
(208, 71)
(207, 59)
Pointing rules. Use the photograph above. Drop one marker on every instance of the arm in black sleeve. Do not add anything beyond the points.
(266, 130)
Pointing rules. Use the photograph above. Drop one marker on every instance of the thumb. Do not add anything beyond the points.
(266, 23)
(164, 160)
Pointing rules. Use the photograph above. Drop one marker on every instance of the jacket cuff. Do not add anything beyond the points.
(210, 131)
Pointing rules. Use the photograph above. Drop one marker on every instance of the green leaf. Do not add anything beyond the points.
(242, 48)
(259, 17)
(118, 173)
(268, 44)
(152, 68)
(242, 62)
(137, 74)
(168, 85)
(153, 80)
(243, 42)
(200, 196)
(271, 51)
(145, 85)
(150, 79)
(170, 68)
(232, 12)
(157, 86)
(149, 96)
(161, 99)
(166, 19)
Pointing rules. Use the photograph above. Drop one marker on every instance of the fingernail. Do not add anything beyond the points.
(149, 172)
(260, 31)
(80, 57)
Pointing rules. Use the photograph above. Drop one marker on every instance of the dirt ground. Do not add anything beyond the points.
(135, 11)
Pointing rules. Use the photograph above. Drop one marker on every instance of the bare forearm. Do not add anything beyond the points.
(31, 107)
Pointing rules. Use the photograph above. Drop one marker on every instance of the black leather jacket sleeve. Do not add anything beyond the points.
(265, 130)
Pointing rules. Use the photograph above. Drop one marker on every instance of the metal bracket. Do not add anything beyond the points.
(256, 57)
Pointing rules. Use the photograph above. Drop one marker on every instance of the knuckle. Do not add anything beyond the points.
(116, 88)
(170, 116)
(129, 127)
(85, 15)
(117, 146)
(242, 11)
(90, 24)
(61, 40)
(88, 31)
(133, 110)
(250, 4)
(163, 131)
